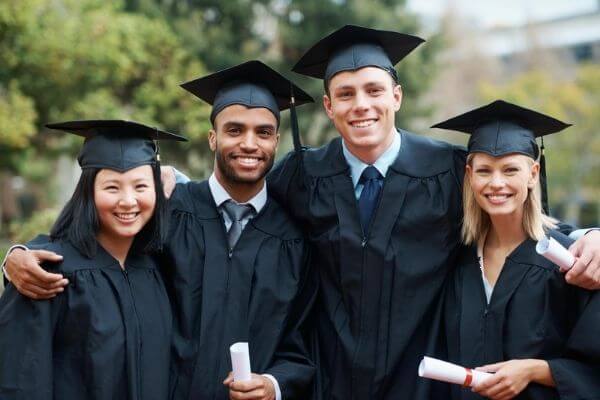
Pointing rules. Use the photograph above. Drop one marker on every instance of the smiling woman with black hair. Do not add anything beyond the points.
(108, 335)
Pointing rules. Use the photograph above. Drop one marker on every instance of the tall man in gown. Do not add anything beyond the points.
(382, 207)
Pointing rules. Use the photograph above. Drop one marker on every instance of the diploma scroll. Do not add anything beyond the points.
(555, 252)
(439, 370)
(240, 361)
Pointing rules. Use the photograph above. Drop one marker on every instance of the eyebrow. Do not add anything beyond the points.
(266, 126)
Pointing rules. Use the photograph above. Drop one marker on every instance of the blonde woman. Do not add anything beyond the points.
(508, 310)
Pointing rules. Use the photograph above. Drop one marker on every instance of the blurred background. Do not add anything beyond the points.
(87, 59)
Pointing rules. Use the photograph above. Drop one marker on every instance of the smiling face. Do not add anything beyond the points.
(124, 202)
(244, 141)
(362, 105)
(501, 184)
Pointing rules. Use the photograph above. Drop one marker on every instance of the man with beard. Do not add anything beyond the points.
(235, 265)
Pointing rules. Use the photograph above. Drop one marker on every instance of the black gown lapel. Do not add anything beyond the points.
(509, 280)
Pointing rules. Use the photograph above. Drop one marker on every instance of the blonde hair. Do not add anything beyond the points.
(476, 221)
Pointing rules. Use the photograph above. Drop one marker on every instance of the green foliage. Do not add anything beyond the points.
(92, 59)
(40, 222)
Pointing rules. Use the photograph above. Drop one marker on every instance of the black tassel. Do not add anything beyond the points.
(544, 181)
(294, 122)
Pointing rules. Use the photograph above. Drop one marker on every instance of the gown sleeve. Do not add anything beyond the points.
(286, 180)
(292, 365)
(26, 345)
(577, 372)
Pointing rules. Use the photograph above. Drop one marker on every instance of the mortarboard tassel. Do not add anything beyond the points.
(294, 122)
(543, 180)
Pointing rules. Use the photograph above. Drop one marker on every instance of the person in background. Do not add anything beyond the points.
(108, 336)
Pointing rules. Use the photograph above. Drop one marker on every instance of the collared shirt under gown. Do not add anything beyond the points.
(106, 337)
(378, 311)
(533, 313)
(257, 293)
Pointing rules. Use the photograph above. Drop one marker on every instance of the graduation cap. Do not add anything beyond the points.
(353, 47)
(501, 128)
(116, 144)
(252, 84)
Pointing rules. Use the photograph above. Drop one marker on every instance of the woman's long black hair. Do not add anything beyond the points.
(79, 224)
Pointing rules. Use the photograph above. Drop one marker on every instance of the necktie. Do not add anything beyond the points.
(369, 197)
(237, 213)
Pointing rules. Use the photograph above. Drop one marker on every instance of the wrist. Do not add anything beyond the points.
(538, 370)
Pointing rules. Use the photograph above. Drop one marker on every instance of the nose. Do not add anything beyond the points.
(361, 102)
(497, 181)
(249, 142)
(128, 199)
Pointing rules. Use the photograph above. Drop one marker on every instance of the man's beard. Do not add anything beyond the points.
(230, 175)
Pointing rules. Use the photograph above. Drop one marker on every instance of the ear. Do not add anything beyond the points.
(534, 175)
(468, 172)
(212, 139)
(397, 92)
(328, 106)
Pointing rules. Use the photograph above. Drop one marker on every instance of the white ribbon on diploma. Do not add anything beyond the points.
(555, 252)
(444, 371)
(240, 361)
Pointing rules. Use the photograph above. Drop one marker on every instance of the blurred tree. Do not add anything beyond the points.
(572, 155)
(86, 59)
(80, 59)
(224, 33)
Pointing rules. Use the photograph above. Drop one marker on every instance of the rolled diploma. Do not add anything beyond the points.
(555, 252)
(444, 371)
(240, 361)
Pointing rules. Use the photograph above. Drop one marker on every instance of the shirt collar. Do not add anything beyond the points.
(382, 163)
(221, 196)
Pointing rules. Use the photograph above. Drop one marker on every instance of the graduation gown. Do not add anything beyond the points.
(107, 337)
(377, 311)
(256, 294)
(533, 313)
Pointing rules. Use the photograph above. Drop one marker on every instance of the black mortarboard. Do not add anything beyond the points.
(501, 128)
(116, 144)
(251, 84)
(353, 47)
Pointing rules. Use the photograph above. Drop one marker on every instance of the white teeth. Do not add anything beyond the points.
(126, 215)
(247, 160)
(363, 124)
(497, 196)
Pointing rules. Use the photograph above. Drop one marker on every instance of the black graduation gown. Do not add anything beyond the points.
(377, 311)
(107, 337)
(533, 313)
(257, 294)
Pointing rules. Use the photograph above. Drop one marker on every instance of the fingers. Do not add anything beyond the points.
(491, 367)
(486, 384)
(167, 176)
(43, 278)
(583, 272)
(41, 292)
(45, 255)
(229, 379)
(256, 389)
(256, 394)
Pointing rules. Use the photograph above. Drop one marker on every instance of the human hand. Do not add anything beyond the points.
(167, 176)
(510, 378)
(585, 272)
(29, 278)
(258, 388)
